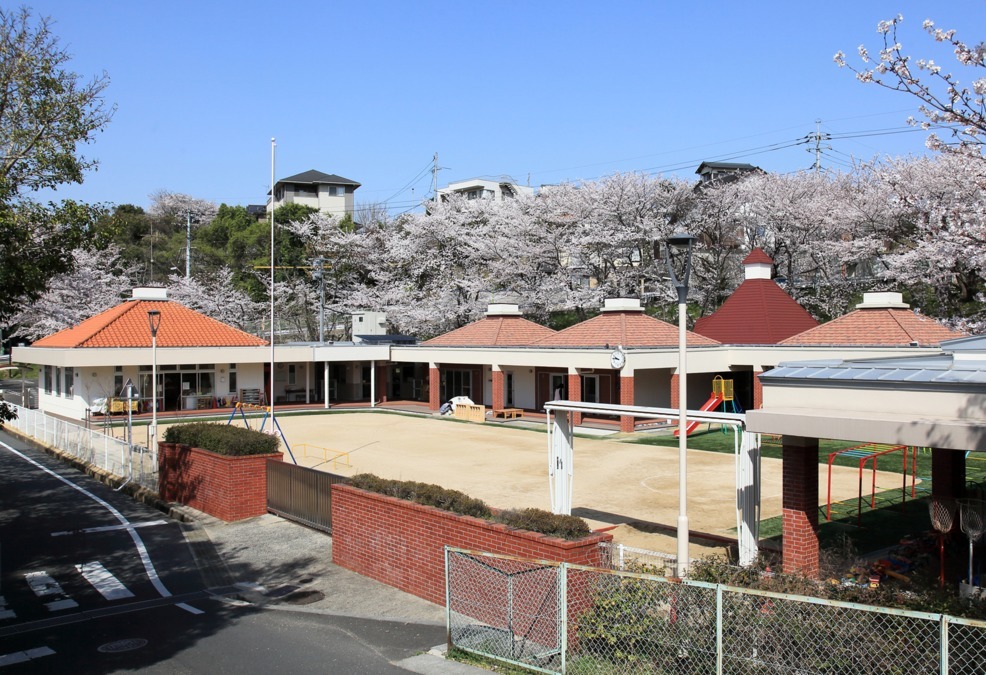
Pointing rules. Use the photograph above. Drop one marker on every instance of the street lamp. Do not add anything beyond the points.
(678, 254)
(154, 321)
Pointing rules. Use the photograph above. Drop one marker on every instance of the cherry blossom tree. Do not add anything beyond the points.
(99, 280)
(218, 297)
(945, 102)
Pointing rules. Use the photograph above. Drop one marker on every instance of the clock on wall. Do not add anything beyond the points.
(617, 359)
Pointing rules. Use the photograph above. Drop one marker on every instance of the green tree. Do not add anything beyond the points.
(46, 113)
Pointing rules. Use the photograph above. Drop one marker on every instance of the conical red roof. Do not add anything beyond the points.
(758, 312)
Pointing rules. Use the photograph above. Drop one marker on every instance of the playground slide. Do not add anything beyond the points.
(714, 400)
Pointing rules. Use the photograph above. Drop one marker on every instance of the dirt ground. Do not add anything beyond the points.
(614, 483)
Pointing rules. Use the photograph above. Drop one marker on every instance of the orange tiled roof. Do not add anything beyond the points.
(126, 326)
(757, 313)
(876, 326)
(493, 331)
(629, 329)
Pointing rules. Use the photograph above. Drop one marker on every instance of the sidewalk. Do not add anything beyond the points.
(279, 565)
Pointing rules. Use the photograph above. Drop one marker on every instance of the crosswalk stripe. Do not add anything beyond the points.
(27, 655)
(103, 581)
(44, 585)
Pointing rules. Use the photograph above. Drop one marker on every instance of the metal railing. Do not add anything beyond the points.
(301, 494)
(132, 463)
(563, 618)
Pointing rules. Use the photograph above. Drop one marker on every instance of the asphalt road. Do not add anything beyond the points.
(92, 582)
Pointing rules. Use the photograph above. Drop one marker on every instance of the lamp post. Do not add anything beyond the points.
(154, 321)
(678, 254)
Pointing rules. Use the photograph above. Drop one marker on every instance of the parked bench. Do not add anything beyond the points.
(508, 413)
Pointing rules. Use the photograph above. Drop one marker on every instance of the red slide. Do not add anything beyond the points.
(711, 404)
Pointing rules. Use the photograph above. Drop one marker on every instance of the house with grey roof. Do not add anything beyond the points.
(331, 194)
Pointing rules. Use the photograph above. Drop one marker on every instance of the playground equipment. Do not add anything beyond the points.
(337, 457)
(942, 518)
(240, 407)
(872, 452)
(972, 520)
(722, 394)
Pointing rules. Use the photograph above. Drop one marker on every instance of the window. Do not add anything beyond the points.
(48, 379)
(58, 381)
(292, 374)
(304, 189)
(70, 382)
(118, 380)
(232, 380)
(337, 190)
(590, 388)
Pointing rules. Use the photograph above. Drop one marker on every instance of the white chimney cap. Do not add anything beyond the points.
(149, 293)
(622, 305)
(503, 309)
(882, 301)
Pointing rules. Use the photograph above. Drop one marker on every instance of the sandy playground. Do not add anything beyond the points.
(615, 482)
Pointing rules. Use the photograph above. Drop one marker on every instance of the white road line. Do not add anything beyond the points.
(43, 584)
(103, 581)
(21, 657)
(109, 528)
(59, 605)
(189, 608)
(145, 557)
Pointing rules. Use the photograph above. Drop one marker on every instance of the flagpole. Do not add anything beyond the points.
(273, 424)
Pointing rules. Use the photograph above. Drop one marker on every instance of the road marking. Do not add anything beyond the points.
(59, 605)
(109, 528)
(189, 608)
(103, 581)
(250, 586)
(43, 584)
(21, 657)
(4, 612)
(145, 557)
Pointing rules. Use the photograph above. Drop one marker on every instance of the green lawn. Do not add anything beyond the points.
(876, 528)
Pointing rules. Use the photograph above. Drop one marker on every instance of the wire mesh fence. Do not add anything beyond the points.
(564, 618)
(131, 462)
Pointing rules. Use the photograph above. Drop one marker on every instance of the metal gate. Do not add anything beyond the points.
(301, 494)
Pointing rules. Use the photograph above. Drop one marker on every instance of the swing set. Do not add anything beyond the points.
(240, 407)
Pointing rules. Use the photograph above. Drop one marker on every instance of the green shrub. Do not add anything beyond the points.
(534, 520)
(545, 522)
(222, 439)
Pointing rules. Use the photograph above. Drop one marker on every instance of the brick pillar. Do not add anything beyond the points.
(757, 390)
(499, 383)
(575, 394)
(947, 473)
(434, 389)
(674, 391)
(626, 398)
(800, 505)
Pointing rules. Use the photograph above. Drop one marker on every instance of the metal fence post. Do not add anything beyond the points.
(448, 603)
(563, 608)
(944, 645)
(719, 654)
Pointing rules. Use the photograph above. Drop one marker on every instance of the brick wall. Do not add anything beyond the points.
(229, 488)
(757, 390)
(575, 394)
(675, 398)
(434, 389)
(800, 506)
(402, 544)
(498, 386)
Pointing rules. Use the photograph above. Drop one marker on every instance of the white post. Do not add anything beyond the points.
(373, 384)
(273, 422)
(682, 443)
(747, 499)
(154, 397)
(560, 455)
(326, 383)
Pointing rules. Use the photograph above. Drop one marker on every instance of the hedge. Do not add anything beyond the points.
(534, 520)
(222, 439)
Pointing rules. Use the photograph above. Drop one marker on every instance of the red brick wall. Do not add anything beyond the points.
(675, 398)
(800, 506)
(401, 543)
(229, 488)
(626, 398)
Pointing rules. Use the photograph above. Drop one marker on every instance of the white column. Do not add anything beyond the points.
(326, 383)
(748, 499)
(308, 382)
(560, 462)
(373, 384)
(682, 549)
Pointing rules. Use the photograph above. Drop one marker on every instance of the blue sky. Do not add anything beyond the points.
(542, 91)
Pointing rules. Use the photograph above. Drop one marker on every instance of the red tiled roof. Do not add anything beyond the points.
(757, 256)
(758, 313)
(126, 326)
(629, 329)
(876, 326)
(493, 331)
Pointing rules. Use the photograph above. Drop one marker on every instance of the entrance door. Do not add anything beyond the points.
(590, 388)
(559, 388)
(458, 383)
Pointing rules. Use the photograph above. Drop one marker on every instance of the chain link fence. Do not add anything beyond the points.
(564, 618)
(132, 463)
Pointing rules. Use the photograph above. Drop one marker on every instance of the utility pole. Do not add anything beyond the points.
(819, 137)
(434, 176)
(188, 246)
